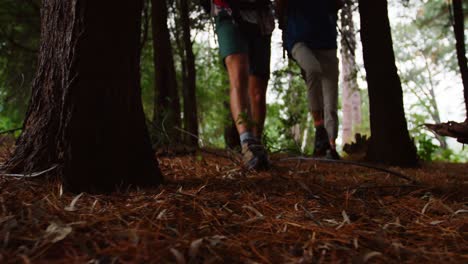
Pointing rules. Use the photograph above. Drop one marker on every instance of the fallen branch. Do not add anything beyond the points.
(29, 175)
(451, 129)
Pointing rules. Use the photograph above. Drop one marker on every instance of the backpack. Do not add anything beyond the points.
(206, 5)
(237, 6)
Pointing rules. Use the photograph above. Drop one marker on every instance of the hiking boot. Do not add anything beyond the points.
(254, 155)
(322, 143)
(332, 154)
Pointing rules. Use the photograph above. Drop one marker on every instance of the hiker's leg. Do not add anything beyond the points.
(259, 70)
(311, 72)
(233, 48)
(257, 94)
(315, 101)
(237, 66)
(329, 63)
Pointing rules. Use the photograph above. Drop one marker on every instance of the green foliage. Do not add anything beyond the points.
(424, 61)
(212, 94)
(6, 123)
(364, 127)
(428, 151)
(426, 148)
(19, 39)
(288, 125)
(147, 79)
(428, 145)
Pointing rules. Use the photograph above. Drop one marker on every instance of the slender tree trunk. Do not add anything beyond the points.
(190, 97)
(85, 112)
(351, 96)
(356, 102)
(436, 117)
(167, 103)
(459, 28)
(390, 142)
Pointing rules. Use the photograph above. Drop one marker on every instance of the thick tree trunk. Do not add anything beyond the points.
(459, 28)
(167, 103)
(85, 113)
(390, 142)
(351, 99)
(190, 98)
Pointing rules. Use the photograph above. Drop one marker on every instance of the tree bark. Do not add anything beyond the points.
(390, 142)
(189, 87)
(167, 103)
(459, 28)
(351, 96)
(85, 112)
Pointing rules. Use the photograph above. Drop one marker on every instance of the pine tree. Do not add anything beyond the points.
(85, 113)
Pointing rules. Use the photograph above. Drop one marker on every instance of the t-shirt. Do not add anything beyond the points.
(312, 22)
(264, 18)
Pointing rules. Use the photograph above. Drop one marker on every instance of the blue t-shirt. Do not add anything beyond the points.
(312, 22)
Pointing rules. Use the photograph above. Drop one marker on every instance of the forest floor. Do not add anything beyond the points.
(211, 211)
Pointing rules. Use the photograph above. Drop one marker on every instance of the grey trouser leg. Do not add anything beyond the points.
(321, 76)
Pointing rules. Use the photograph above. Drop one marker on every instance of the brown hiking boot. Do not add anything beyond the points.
(254, 156)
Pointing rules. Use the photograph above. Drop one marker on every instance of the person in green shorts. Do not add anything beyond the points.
(244, 30)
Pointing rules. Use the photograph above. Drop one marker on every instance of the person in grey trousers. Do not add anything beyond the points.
(310, 37)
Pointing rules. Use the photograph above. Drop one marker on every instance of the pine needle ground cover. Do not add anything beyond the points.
(211, 211)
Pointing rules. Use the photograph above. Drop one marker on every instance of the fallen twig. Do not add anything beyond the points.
(29, 175)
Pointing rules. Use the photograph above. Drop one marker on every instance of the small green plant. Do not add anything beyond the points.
(426, 149)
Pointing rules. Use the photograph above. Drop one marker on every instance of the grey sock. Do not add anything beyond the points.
(246, 136)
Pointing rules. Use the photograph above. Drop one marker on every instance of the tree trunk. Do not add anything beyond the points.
(459, 28)
(436, 116)
(166, 104)
(390, 142)
(190, 98)
(351, 98)
(85, 112)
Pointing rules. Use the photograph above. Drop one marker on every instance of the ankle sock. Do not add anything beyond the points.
(246, 136)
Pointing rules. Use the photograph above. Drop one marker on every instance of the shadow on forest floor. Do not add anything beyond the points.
(211, 211)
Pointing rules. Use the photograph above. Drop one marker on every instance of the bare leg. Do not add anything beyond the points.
(257, 94)
(238, 71)
(254, 155)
